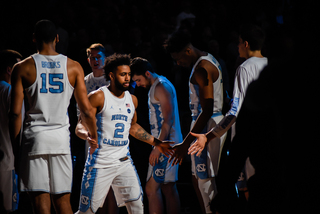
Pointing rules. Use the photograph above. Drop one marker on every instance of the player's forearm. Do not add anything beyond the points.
(198, 126)
(140, 134)
(89, 121)
(165, 130)
(223, 126)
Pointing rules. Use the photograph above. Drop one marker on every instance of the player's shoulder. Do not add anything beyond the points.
(72, 63)
(74, 66)
(134, 100)
(163, 87)
(26, 62)
(99, 94)
(25, 66)
(206, 64)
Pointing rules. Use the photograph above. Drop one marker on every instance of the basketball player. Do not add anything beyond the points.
(251, 40)
(95, 79)
(96, 55)
(206, 100)
(46, 80)
(111, 163)
(8, 179)
(165, 125)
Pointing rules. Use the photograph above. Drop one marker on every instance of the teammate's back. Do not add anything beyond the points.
(46, 81)
(49, 96)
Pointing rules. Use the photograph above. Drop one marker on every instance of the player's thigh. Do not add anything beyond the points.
(126, 185)
(34, 173)
(95, 187)
(60, 167)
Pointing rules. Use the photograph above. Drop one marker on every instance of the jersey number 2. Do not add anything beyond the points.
(118, 132)
(53, 81)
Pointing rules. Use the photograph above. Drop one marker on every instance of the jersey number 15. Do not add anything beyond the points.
(57, 86)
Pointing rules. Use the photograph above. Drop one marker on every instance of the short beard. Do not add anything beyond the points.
(119, 86)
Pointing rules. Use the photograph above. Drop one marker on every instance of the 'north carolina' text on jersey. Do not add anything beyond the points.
(113, 125)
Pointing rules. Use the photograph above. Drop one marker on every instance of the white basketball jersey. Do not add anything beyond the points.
(194, 97)
(94, 83)
(113, 125)
(47, 123)
(246, 73)
(155, 113)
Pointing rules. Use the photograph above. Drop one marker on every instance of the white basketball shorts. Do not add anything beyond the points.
(46, 173)
(97, 181)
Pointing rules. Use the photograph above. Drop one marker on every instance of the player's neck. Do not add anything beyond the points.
(115, 91)
(97, 72)
(48, 49)
(198, 53)
(153, 77)
(254, 54)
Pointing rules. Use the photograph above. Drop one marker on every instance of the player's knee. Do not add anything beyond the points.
(152, 188)
(135, 207)
(169, 188)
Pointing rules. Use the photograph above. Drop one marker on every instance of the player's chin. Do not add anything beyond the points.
(125, 87)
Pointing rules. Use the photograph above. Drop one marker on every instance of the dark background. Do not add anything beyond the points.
(139, 28)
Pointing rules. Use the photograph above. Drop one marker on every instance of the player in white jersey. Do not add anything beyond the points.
(8, 178)
(165, 125)
(250, 43)
(111, 164)
(206, 100)
(46, 81)
(96, 55)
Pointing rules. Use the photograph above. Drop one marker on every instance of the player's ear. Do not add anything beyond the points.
(246, 44)
(111, 75)
(57, 38)
(147, 74)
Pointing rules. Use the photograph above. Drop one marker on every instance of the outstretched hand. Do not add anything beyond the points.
(198, 146)
(180, 151)
(165, 148)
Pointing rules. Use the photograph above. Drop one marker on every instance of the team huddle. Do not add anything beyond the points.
(43, 84)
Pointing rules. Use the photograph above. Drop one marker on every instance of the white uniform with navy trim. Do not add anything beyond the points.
(111, 163)
(206, 166)
(46, 127)
(163, 172)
